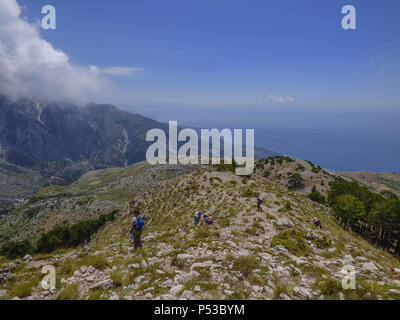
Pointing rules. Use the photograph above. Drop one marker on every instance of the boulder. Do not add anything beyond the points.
(183, 256)
(283, 296)
(396, 291)
(83, 269)
(91, 269)
(106, 285)
(28, 258)
(174, 290)
(228, 292)
(168, 283)
(113, 297)
(257, 289)
(187, 294)
(283, 223)
(185, 276)
(369, 267)
(281, 248)
(361, 259)
(302, 293)
(205, 264)
(139, 278)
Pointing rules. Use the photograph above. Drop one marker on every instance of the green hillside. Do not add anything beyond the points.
(276, 253)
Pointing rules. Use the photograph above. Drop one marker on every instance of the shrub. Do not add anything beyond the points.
(13, 249)
(71, 236)
(330, 288)
(246, 265)
(227, 167)
(291, 240)
(97, 261)
(21, 290)
(248, 194)
(322, 243)
(117, 278)
(387, 194)
(316, 196)
(70, 292)
(267, 173)
(295, 182)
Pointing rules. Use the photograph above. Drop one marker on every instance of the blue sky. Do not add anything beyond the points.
(211, 53)
(214, 63)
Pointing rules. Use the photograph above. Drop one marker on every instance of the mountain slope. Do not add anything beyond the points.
(378, 181)
(58, 142)
(16, 184)
(50, 135)
(276, 253)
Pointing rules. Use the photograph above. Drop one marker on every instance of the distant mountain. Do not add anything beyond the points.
(52, 137)
(61, 141)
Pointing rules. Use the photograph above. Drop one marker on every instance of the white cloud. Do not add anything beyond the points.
(277, 99)
(31, 67)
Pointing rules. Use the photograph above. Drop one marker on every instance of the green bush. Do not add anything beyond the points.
(248, 193)
(291, 240)
(295, 182)
(13, 249)
(71, 236)
(316, 196)
(246, 265)
(70, 292)
(387, 194)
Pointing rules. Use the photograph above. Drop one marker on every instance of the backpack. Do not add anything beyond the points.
(139, 223)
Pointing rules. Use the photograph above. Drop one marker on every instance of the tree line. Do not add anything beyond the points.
(66, 236)
(374, 216)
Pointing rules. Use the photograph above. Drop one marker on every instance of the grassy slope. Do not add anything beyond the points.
(93, 194)
(376, 180)
(16, 184)
(240, 246)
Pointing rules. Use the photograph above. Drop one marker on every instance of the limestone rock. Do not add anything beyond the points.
(174, 290)
(106, 285)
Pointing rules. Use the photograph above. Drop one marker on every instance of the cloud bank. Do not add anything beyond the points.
(276, 99)
(31, 67)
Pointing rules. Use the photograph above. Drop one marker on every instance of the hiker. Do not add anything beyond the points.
(197, 218)
(259, 202)
(137, 227)
(317, 222)
(207, 220)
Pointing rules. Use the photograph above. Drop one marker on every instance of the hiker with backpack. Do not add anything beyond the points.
(317, 222)
(197, 218)
(259, 202)
(207, 220)
(136, 230)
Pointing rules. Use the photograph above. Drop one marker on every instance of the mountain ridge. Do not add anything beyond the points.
(62, 141)
(276, 253)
